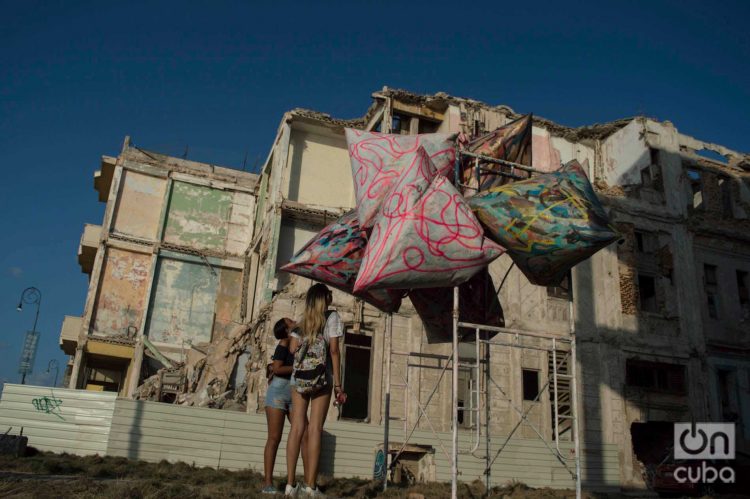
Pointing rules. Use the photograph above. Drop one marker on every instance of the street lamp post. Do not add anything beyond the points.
(32, 296)
(53, 364)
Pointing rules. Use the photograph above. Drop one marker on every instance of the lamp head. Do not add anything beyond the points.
(20, 306)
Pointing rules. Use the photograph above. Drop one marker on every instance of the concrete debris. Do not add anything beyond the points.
(602, 187)
(327, 118)
(441, 100)
(205, 378)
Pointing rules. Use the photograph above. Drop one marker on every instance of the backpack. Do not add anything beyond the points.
(309, 373)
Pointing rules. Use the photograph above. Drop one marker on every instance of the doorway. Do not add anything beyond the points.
(357, 355)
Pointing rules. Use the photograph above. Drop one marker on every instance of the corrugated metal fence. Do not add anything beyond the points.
(58, 419)
(81, 422)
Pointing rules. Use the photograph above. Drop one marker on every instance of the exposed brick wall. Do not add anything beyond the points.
(628, 272)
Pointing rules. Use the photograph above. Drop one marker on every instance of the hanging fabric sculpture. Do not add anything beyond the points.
(548, 223)
(425, 234)
(510, 142)
(377, 159)
(334, 256)
(479, 305)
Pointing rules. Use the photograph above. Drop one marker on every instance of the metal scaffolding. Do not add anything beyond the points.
(561, 351)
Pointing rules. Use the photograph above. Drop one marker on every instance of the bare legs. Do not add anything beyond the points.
(318, 412)
(318, 404)
(275, 420)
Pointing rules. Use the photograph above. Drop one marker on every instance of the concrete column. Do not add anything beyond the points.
(75, 371)
(135, 369)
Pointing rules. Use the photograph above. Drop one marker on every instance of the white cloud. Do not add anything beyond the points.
(15, 271)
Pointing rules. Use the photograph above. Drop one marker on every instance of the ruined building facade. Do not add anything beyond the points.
(166, 267)
(185, 283)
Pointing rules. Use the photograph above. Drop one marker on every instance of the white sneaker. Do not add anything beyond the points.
(290, 491)
(308, 491)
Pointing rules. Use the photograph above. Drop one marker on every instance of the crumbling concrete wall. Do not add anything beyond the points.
(192, 302)
(121, 294)
(625, 154)
(140, 205)
(638, 166)
(197, 216)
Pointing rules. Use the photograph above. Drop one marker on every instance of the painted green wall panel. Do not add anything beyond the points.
(182, 307)
(198, 216)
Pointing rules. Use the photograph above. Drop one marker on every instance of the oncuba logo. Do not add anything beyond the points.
(694, 441)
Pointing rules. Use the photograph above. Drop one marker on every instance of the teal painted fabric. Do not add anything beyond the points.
(548, 223)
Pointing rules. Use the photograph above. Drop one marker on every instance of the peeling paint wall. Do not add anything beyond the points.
(182, 304)
(544, 157)
(139, 205)
(198, 216)
(122, 292)
(228, 298)
(240, 228)
(625, 153)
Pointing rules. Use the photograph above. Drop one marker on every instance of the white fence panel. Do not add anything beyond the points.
(58, 419)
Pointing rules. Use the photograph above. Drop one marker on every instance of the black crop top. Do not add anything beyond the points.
(283, 354)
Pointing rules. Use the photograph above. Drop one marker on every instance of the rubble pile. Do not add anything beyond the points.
(213, 375)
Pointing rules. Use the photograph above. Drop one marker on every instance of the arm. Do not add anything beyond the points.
(335, 332)
(336, 361)
(281, 370)
(294, 343)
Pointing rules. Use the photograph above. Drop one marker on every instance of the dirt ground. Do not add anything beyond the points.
(47, 475)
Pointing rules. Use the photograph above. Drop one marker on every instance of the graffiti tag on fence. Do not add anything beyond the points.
(50, 405)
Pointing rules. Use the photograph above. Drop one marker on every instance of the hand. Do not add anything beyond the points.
(340, 396)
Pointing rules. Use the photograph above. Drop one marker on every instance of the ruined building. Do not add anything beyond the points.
(184, 284)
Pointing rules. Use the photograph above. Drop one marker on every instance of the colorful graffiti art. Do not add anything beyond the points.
(548, 224)
(511, 142)
(425, 235)
(334, 256)
(479, 305)
(377, 160)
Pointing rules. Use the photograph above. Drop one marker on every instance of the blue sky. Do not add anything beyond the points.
(76, 77)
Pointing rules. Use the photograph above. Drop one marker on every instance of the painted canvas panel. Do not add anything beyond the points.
(198, 216)
(120, 301)
(377, 160)
(425, 235)
(183, 301)
(548, 223)
(334, 256)
(510, 142)
(139, 206)
(478, 304)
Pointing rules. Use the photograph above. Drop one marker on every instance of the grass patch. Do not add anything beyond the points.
(64, 475)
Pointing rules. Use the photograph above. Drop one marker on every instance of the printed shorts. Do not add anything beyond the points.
(279, 394)
(329, 379)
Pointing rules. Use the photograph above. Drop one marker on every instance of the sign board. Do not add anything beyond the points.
(28, 354)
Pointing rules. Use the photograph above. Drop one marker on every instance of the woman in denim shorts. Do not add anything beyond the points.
(278, 399)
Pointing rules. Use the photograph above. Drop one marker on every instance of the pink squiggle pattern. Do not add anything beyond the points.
(425, 234)
(377, 159)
